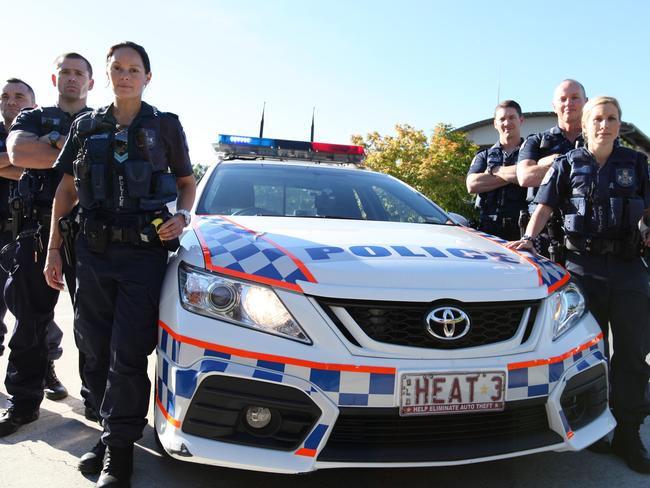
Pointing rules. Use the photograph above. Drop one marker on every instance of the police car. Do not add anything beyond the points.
(321, 315)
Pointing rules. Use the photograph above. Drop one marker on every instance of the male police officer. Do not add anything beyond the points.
(538, 152)
(492, 175)
(33, 144)
(17, 95)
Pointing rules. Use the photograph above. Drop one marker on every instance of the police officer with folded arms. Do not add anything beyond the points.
(539, 150)
(33, 144)
(604, 193)
(122, 163)
(493, 177)
(16, 95)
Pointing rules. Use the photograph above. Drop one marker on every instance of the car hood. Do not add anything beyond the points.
(373, 260)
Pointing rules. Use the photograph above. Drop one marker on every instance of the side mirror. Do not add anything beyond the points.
(458, 219)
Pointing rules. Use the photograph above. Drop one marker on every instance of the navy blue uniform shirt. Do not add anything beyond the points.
(41, 121)
(542, 144)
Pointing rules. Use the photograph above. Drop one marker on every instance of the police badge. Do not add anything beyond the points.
(624, 177)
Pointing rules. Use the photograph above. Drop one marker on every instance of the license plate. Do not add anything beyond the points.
(450, 393)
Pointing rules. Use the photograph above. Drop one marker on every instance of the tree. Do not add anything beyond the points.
(199, 170)
(435, 166)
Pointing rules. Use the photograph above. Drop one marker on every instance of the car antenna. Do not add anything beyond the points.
(262, 121)
(312, 124)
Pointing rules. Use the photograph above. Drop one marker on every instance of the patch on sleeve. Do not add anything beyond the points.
(547, 177)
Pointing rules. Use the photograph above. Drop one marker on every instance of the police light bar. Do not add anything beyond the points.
(262, 147)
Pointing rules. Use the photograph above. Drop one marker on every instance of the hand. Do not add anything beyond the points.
(53, 270)
(522, 245)
(172, 228)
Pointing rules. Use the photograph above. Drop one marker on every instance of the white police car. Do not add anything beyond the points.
(320, 315)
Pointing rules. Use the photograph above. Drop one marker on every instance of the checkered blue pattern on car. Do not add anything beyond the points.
(345, 385)
(565, 424)
(538, 380)
(231, 249)
(165, 397)
(551, 274)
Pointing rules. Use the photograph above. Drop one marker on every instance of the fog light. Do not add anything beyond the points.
(258, 417)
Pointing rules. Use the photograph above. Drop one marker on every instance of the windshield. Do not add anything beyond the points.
(314, 192)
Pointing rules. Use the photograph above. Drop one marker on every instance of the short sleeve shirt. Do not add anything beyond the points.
(41, 121)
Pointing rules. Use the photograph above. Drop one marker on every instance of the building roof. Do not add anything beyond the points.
(630, 133)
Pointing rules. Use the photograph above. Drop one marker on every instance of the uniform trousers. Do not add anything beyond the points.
(36, 339)
(618, 297)
(116, 321)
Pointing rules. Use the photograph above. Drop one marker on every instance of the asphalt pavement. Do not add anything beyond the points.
(44, 454)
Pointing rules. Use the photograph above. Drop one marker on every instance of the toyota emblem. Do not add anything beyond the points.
(447, 323)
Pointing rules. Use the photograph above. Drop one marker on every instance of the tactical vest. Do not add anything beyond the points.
(39, 185)
(615, 215)
(508, 199)
(134, 185)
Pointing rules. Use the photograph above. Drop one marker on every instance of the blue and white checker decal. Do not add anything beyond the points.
(235, 250)
(164, 392)
(552, 274)
(343, 388)
(540, 380)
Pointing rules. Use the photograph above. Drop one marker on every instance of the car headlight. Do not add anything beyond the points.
(567, 307)
(238, 302)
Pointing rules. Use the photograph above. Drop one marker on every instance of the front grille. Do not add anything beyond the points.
(381, 435)
(218, 406)
(403, 323)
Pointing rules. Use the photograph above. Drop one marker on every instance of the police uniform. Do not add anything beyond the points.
(601, 211)
(123, 184)
(6, 187)
(536, 147)
(499, 208)
(27, 294)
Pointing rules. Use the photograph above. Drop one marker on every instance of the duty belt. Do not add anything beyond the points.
(39, 216)
(600, 246)
(124, 234)
(124, 229)
(502, 221)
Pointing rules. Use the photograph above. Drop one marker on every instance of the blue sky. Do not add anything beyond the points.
(365, 65)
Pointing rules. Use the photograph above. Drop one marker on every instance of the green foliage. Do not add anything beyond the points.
(435, 166)
(199, 170)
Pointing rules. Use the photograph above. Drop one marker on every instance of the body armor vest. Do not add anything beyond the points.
(596, 209)
(134, 185)
(39, 185)
(508, 199)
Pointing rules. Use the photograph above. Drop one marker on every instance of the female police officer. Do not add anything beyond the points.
(115, 164)
(604, 194)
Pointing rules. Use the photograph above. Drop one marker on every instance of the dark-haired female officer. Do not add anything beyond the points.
(122, 163)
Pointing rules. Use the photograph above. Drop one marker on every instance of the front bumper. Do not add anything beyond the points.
(345, 415)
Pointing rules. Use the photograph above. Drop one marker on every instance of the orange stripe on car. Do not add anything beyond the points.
(556, 359)
(170, 419)
(278, 359)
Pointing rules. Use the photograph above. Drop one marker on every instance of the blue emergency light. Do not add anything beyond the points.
(232, 146)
